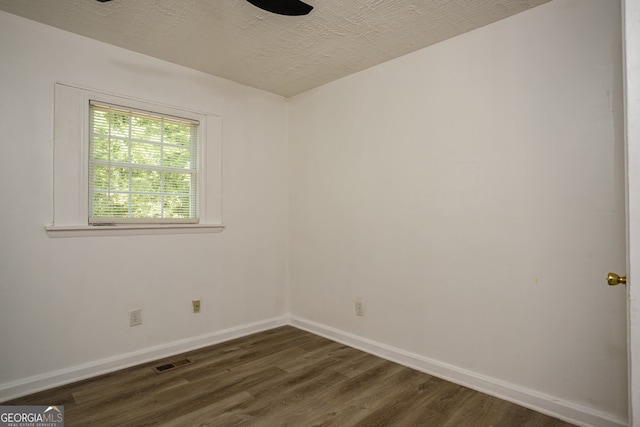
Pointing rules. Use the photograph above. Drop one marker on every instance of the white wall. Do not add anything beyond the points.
(472, 195)
(64, 302)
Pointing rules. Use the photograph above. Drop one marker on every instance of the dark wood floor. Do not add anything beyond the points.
(281, 377)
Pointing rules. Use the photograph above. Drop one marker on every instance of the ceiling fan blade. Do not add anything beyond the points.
(283, 7)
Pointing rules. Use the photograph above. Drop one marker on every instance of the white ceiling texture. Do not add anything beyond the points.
(285, 55)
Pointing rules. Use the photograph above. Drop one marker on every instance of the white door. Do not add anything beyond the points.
(631, 22)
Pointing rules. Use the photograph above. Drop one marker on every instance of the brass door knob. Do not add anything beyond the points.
(613, 279)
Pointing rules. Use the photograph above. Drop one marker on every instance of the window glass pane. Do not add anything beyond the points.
(119, 124)
(177, 183)
(100, 149)
(145, 206)
(110, 205)
(146, 129)
(110, 179)
(175, 157)
(176, 206)
(145, 154)
(119, 151)
(119, 179)
(146, 180)
(178, 134)
(101, 178)
(101, 122)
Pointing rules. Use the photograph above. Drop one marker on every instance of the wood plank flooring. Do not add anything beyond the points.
(281, 377)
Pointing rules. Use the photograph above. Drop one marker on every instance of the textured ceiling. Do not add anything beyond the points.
(280, 54)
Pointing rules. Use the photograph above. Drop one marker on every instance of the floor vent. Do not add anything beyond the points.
(172, 365)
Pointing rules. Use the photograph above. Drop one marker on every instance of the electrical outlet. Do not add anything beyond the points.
(135, 317)
(196, 305)
(359, 308)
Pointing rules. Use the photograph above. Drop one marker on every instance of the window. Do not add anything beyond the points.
(142, 166)
(128, 166)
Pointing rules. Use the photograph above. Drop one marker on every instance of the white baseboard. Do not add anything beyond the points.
(37, 383)
(546, 404)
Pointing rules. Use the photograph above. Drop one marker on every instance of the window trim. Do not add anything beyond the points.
(131, 230)
(71, 166)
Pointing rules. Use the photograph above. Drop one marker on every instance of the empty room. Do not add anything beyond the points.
(231, 212)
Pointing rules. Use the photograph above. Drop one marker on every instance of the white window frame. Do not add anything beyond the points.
(71, 166)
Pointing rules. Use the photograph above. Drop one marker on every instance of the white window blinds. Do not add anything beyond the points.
(142, 166)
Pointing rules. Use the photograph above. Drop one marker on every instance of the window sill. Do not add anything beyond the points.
(131, 230)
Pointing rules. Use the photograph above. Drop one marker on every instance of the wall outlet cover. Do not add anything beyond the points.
(359, 308)
(135, 317)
